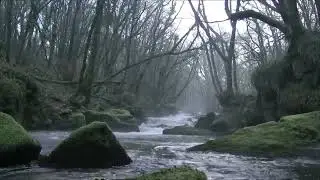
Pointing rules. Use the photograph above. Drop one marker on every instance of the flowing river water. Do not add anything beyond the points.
(150, 150)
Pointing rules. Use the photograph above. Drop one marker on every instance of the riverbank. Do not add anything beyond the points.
(287, 137)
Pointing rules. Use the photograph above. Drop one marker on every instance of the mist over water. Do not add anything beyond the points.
(150, 151)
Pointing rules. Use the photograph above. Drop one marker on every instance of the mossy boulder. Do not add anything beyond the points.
(138, 113)
(186, 130)
(72, 121)
(117, 120)
(122, 114)
(91, 146)
(16, 145)
(204, 122)
(285, 137)
(178, 173)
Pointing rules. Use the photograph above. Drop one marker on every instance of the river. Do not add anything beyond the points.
(150, 150)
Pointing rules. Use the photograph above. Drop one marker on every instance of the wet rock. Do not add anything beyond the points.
(91, 146)
(186, 130)
(70, 122)
(16, 146)
(177, 173)
(204, 122)
(220, 125)
(118, 120)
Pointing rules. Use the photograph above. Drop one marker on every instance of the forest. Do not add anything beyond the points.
(105, 71)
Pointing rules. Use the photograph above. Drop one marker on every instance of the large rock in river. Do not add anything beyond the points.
(186, 130)
(16, 145)
(204, 122)
(117, 119)
(178, 173)
(286, 137)
(91, 146)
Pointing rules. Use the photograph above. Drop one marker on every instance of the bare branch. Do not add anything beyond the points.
(253, 14)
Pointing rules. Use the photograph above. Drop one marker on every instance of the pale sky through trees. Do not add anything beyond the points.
(215, 12)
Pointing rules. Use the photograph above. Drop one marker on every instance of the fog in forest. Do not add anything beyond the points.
(138, 89)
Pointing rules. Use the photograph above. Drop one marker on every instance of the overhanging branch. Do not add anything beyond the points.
(253, 14)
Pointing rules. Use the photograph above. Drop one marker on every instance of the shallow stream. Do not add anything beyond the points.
(150, 150)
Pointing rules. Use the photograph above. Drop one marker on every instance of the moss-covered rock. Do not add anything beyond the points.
(91, 146)
(138, 113)
(204, 122)
(186, 130)
(71, 121)
(16, 145)
(122, 114)
(179, 173)
(285, 137)
(113, 120)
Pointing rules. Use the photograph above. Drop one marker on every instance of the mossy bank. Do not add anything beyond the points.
(286, 137)
(178, 173)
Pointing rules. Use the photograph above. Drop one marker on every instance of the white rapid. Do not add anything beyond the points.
(150, 150)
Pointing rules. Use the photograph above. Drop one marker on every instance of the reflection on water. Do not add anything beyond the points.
(150, 150)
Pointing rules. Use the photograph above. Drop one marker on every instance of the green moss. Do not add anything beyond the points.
(91, 146)
(272, 138)
(111, 119)
(87, 133)
(12, 133)
(122, 114)
(181, 173)
(16, 145)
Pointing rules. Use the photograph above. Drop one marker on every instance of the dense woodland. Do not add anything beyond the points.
(132, 52)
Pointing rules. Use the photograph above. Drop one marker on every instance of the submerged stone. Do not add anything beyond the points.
(91, 146)
(17, 147)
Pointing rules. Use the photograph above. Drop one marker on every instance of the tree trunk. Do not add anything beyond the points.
(9, 30)
(85, 87)
(228, 70)
(71, 52)
(290, 14)
(32, 20)
(318, 9)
